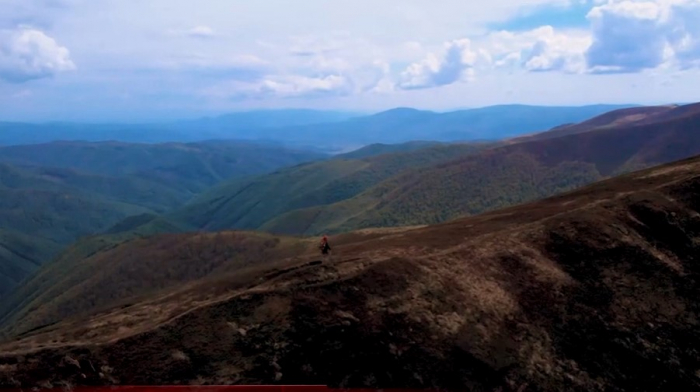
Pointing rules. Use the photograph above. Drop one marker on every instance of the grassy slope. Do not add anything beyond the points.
(20, 255)
(90, 187)
(503, 176)
(183, 166)
(39, 215)
(381, 148)
(98, 271)
(248, 204)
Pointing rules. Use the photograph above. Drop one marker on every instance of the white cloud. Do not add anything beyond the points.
(27, 54)
(313, 45)
(201, 32)
(455, 64)
(201, 61)
(540, 49)
(285, 86)
(130, 47)
(630, 36)
(627, 37)
(685, 33)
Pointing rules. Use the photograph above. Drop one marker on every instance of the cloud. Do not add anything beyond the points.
(201, 32)
(627, 37)
(631, 36)
(281, 86)
(456, 63)
(27, 54)
(553, 51)
(684, 36)
(539, 50)
(198, 32)
(312, 45)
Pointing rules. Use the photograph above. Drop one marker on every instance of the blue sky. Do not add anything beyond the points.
(147, 60)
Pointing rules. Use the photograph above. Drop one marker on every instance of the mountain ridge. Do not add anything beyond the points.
(453, 305)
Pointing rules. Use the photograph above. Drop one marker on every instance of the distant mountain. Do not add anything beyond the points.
(241, 125)
(593, 290)
(245, 123)
(52, 194)
(325, 131)
(402, 125)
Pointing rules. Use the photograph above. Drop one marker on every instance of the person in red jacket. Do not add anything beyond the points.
(325, 248)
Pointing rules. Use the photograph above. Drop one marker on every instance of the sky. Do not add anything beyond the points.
(151, 60)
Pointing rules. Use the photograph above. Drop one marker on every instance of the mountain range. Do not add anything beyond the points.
(441, 181)
(325, 131)
(595, 289)
(555, 260)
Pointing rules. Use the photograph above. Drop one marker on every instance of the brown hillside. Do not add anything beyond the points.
(620, 117)
(595, 290)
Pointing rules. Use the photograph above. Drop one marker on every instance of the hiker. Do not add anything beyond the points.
(325, 248)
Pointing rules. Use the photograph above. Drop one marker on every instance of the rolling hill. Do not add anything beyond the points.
(505, 175)
(595, 289)
(249, 203)
(42, 210)
(87, 188)
(190, 167)
(615, 118)
(381, 148)
(310, 200)
(20, 256)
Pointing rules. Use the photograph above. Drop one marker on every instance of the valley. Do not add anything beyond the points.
(447, 305)
(122, 263)
(53, 194)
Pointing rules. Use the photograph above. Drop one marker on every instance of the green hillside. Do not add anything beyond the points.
(187, 167)
(250, 203)
(88, 188)
(99, 271)
(503, 176)
(43, 209)
(20, 255)
(382, 148)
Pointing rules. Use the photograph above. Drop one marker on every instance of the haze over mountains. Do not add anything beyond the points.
(158, 249)
(325, 130)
